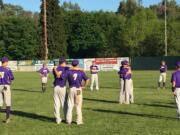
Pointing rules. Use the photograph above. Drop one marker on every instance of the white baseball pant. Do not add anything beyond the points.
(94, 79)
(129, 94)
(44, 79)
(122, 92)
(162, 77)
(177, 99)
(59, 102)
(7, 95)
(75, 97)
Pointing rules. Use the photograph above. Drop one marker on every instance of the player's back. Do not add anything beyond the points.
(5, 75)
(75, 78)
(176, 77)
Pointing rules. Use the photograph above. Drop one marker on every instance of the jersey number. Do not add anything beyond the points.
(1, 74)
(75, 76)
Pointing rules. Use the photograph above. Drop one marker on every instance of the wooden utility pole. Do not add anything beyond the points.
(165, 27)
(45, 31)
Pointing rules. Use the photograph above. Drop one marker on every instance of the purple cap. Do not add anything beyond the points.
(178, 63)
(75, 62)
(62, 60)
(125, 62)
(4, 59)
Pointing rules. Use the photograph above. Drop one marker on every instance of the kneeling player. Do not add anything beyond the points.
(44, 76)
(6, 77)
(176, 87)
(75, 97)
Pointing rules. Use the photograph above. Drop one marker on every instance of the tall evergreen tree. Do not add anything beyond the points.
(55, 30)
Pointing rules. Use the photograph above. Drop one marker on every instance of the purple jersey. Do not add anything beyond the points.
(163, 69)
(176, 78)
(126, 76)
(121, 72)
(44, 71)
(62, 80)
(6, 76)
(94, 69)
(75, 78)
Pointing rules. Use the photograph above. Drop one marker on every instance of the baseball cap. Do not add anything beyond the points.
(75, 62)
(62, 60)
(4, 59)
(125, 62)
(178, 63)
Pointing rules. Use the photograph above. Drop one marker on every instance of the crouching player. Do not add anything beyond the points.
(176, 87)
(128, 83)
(121, 73)
(44, 77)
(75, 97)
(6, 77)
(60, 94)
(162, 77)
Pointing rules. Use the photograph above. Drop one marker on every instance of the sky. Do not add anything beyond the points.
(88, 5)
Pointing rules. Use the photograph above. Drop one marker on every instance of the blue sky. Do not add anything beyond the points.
(89, 5)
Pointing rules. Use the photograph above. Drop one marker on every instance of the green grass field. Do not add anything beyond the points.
(154, 112)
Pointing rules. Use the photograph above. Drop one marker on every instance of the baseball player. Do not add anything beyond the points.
(75, 97)
(162, 77)
(60, 76)
(94, 76)
(128, 83)
(121, 73)
(44, 76)
(176, 87)
(6, 77)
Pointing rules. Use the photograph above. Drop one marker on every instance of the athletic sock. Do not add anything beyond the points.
(8, 109)
(159, 84)
(164, 84)
(0, 109)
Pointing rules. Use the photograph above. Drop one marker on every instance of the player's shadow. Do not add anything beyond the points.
(109, 87)
(158, 105)
(32, 116)
(25, 90)
(134, 114)
(100, 100)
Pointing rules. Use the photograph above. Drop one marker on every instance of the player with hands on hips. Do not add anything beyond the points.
(175, 80)
(6, 77)
(44, 71)
(162, 76)
(94, 76)
(75, 97)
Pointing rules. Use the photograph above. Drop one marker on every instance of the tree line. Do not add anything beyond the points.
(134, 30)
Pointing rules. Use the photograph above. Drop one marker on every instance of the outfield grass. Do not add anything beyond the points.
(153, 113)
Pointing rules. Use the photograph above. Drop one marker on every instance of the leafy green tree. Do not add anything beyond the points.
(69, 6)
(55, 30)
(1, 5)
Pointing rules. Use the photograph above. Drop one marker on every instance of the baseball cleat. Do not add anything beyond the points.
(7, 121)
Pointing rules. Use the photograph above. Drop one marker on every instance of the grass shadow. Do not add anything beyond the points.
(134, 114)
(100, 100)
(32, 116)
(25, 90)
(158, 105)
